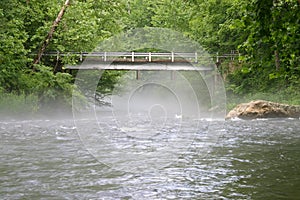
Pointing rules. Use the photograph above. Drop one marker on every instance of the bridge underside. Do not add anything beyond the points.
(141, 66)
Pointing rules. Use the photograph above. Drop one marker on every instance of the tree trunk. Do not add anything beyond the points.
(277, 60)
(50, 33)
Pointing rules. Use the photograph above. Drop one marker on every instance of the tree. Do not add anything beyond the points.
(139, 13)
(50, 33)
(274, 35)
(24, 25)
(271, 48)
(216, 24)
(174, 14)
(13, 54)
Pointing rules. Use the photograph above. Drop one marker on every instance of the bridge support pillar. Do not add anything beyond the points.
(173, 75)
(137, 73)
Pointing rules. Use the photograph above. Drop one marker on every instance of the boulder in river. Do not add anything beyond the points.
(264, 109)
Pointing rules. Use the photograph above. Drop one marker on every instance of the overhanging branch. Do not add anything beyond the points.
(50, 33)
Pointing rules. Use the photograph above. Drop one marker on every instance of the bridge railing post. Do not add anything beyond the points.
(80, 57)
(57, 55)
(132, 56)
(105, 58)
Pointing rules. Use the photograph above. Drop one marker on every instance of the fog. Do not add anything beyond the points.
(156, 95)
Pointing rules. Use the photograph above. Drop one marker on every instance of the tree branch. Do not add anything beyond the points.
(277, 60)
(50, 33)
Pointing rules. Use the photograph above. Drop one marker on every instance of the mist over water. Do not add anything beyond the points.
(152, 121)
(156, 93)
(145, 128)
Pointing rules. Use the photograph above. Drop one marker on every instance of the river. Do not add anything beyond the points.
(215, 159)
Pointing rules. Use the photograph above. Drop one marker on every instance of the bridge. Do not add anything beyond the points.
(141, 61)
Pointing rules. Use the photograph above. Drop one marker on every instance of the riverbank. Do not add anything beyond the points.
(28, 106)
(281, 96)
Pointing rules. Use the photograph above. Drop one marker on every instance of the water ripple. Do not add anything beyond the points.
(257, 159)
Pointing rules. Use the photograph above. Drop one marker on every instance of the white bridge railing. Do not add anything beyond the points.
(143, 56)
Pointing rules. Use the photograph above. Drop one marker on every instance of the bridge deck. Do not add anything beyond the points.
(142, 66)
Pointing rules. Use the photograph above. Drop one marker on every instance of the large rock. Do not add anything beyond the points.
(263, 109)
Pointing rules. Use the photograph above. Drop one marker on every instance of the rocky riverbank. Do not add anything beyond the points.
(264, 109)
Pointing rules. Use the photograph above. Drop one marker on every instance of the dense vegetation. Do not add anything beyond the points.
(265, 32)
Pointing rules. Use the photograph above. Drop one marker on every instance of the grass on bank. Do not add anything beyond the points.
(281, 96)
(12, 104)
(18, 104)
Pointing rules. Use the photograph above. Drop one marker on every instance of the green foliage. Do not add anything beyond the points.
(24, 27)
(289, 95)
(139, 13)
(216, 24)
(85, 24)
(50, 86)
(173, 14)
(271, 47)
(88, 90)
(13, 104)
(265, 32)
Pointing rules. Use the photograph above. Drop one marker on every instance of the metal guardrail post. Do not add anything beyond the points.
(196, 57)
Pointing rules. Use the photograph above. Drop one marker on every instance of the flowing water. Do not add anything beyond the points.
(52, 159)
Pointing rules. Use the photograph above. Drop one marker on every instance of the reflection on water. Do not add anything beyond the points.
(257, 159)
